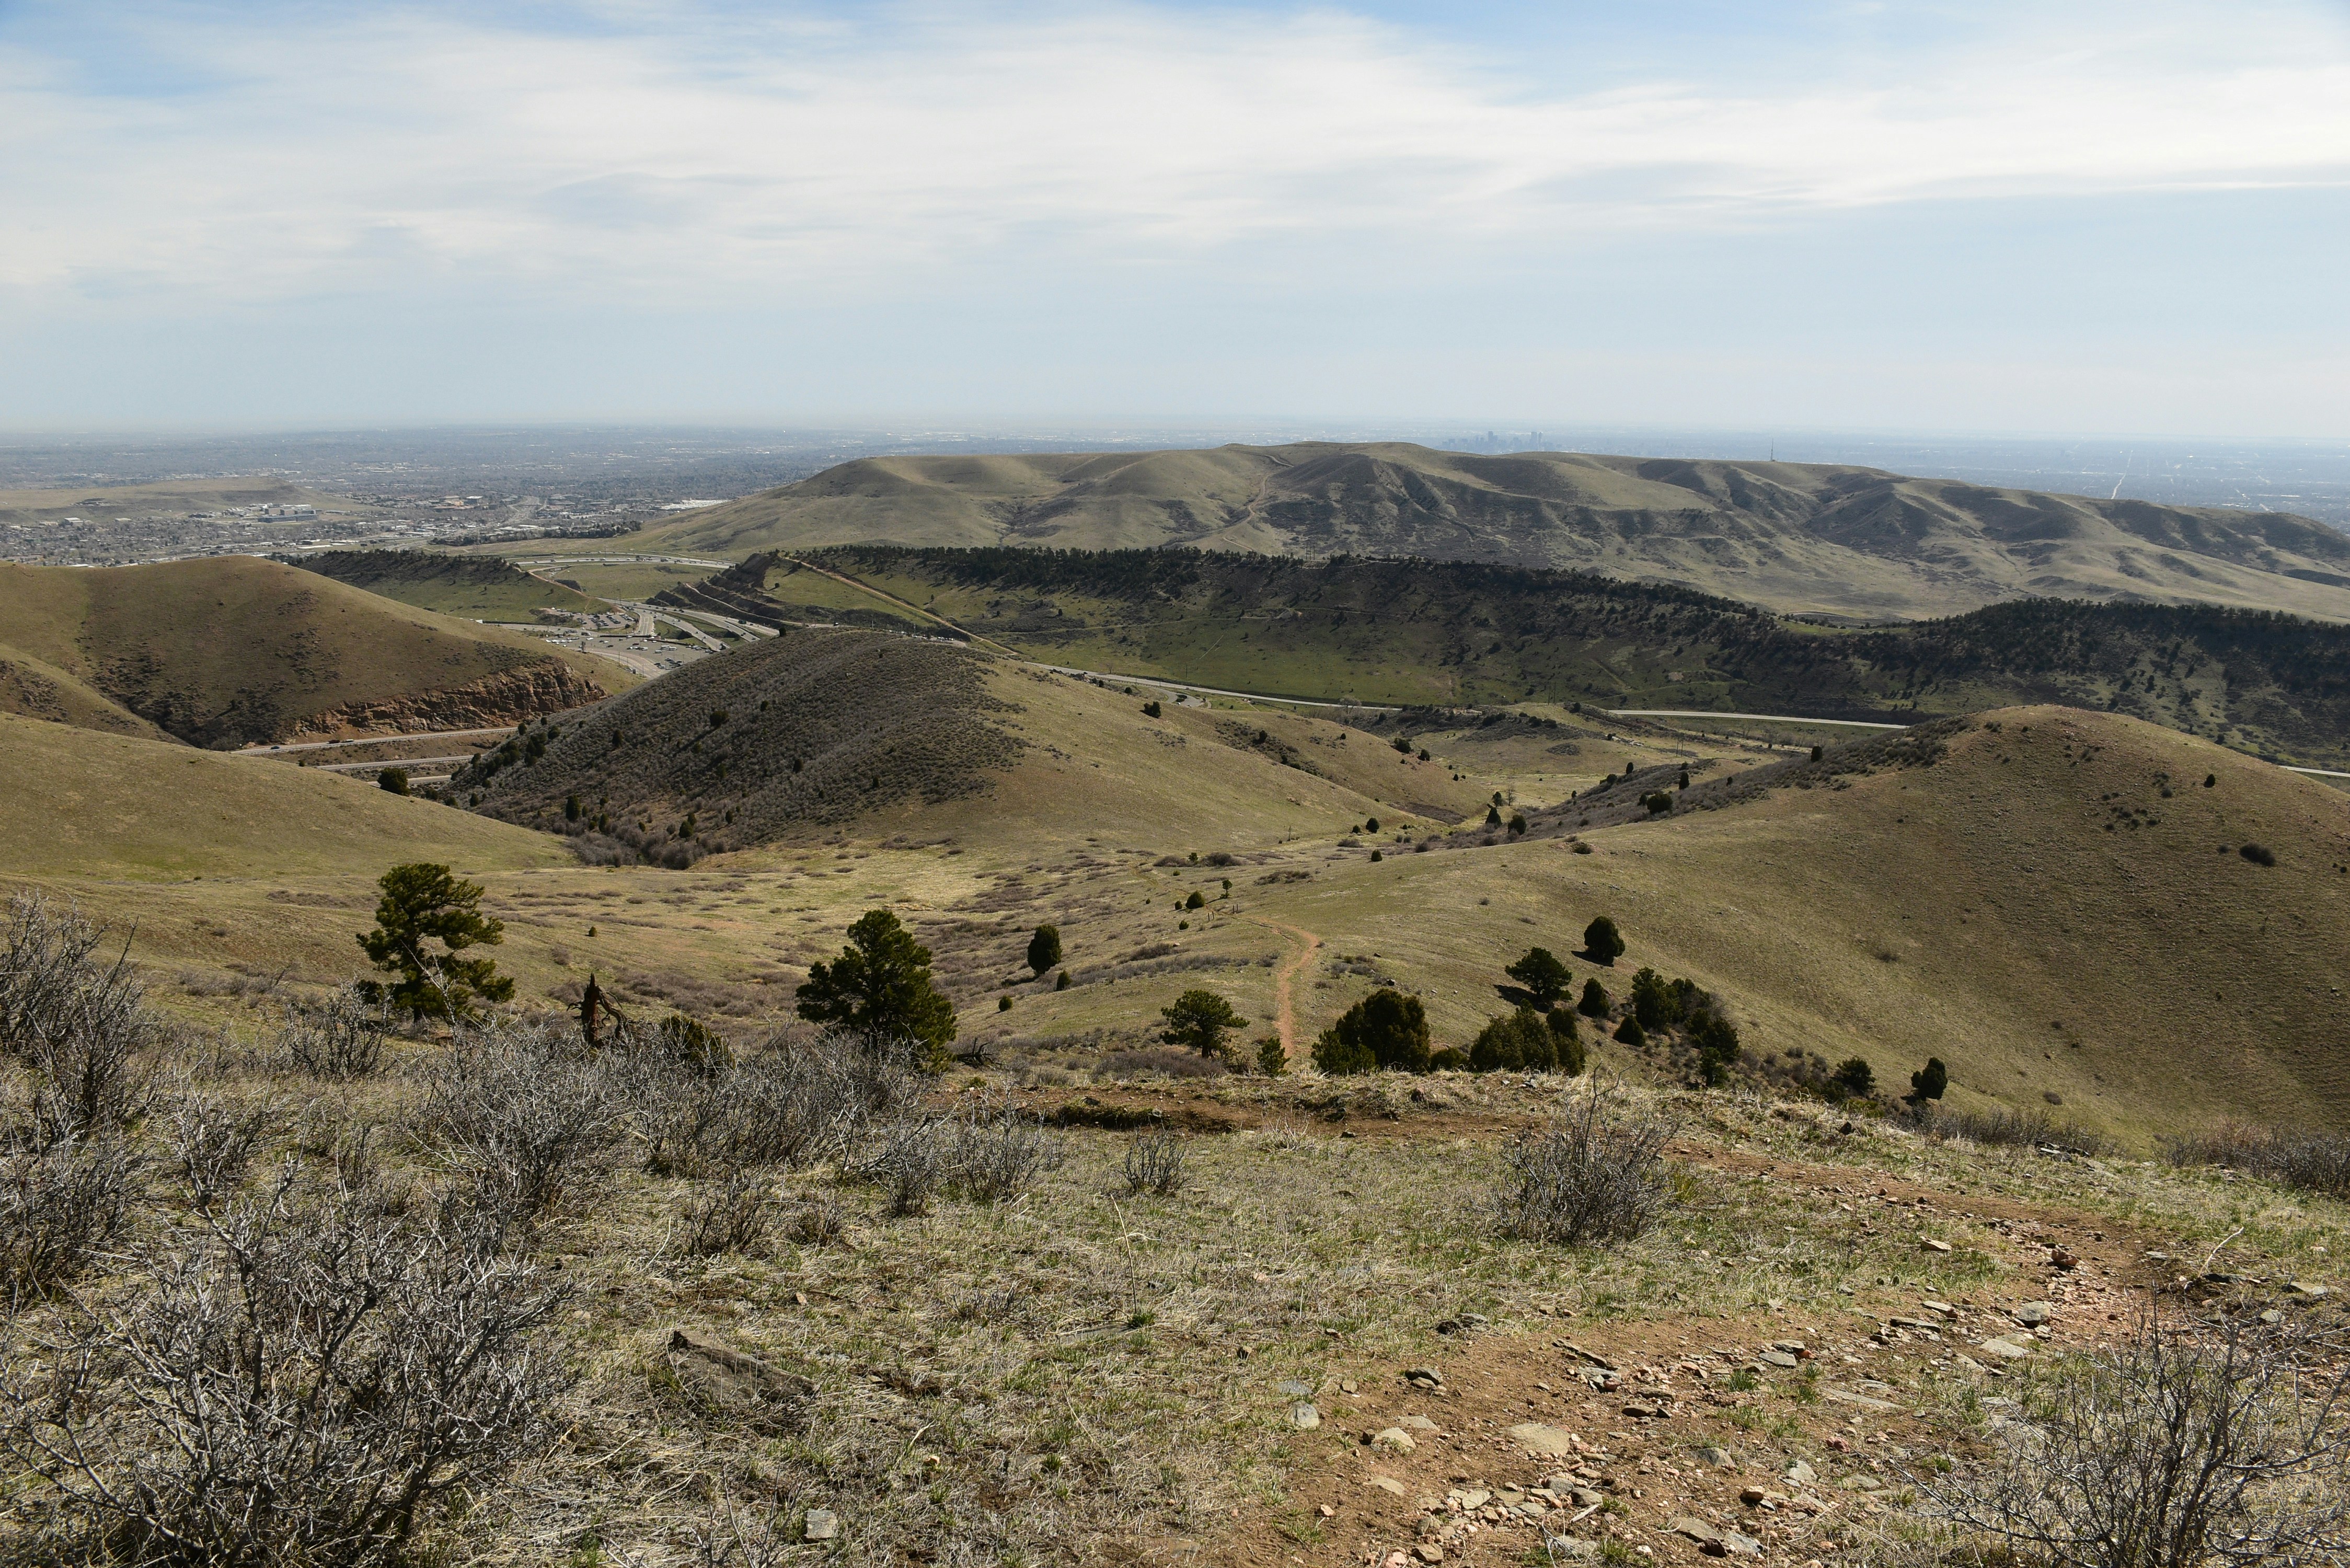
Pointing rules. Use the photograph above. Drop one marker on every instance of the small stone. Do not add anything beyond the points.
(1416, 1424)
(1644, 1412)
(1305, 1417)
(1571, 1549)
(1385, 1483)
(1429, 1551)
(1800, 1474)
(1945, 1308)
(1474, 1498)
(1846, 1396)
(821, 1524)
(2005, 1349)
(1932, 1245)
(1395, 1439)
(1718, 1458)
(1543, 1442)
(1427, 1377)
(1326, 1511)
(1587, 1497)
(1696, 1529)
(2310, 1292)
(1780, 1359)
(1858, 1481)
(1734, 1544)
(1295, 1390)
(2272, 1317)
(1346, 1385)
(2031, 1315)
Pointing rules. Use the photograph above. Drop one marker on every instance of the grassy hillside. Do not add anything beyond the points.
(2058, 905)
(231, 651)
(816, 729)
(477, 587)
(1793, 536)
(120, 808)
(1458, 634)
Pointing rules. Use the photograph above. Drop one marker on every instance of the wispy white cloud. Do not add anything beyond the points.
(387, 148)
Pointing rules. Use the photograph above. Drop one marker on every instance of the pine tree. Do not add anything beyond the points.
(1044, 949)
(1539, 972)
(1199, 1020)
(880, 987)
(1602, 942)
(423, 904)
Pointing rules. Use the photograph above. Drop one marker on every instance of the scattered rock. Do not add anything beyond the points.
(1696, 1529)
(1543, 1442)
(1932, 1245)
(1571, 1549)
(2272, 1317)
(1780, 1359)
(2310, 1292)
(821, 1524)
(1424, 1378)
(1385, 1483)
(1720, 1458)
(1429, 1551)
(1734, 1544)
(2005, 1349)
(1416, 1424)
(2031, 1315)
(1846, 1396)
(1305, 1417)
(1644, 1412)
(1944, 1308)
(1295, 1390)
(1474, 1498)
(1858, 1481)
(1395, 1439)
(1800, 1474)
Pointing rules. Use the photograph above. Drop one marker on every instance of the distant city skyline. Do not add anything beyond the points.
(1901, 217)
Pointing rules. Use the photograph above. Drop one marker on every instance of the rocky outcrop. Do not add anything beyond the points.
(508, 697)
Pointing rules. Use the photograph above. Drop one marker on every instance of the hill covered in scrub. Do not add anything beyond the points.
(231, 651)
(480, 587)
(1795, 537)
(1460, 634)
(809, 727)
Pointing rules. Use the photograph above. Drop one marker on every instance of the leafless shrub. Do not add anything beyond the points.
(793, 1105)
(300, 1382)
(816, 1221)
(2003, 1126)
(1591, 1176)
(2311, 1161)
(49, 957)
(911, 1160)
(739, 1537)
(339, 1038)
(2220, 1444)
(60, 1206)
(213, 1140)
(1155, 1162)
(729, 1216)
(521, 1117)
(998, 1150)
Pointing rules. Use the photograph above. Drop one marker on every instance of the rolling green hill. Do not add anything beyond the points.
(1458, 634)
(477, 587)
(1793, 536)
(230, 650)
(116, 808)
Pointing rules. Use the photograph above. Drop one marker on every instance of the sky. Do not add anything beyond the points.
(2079, 217)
